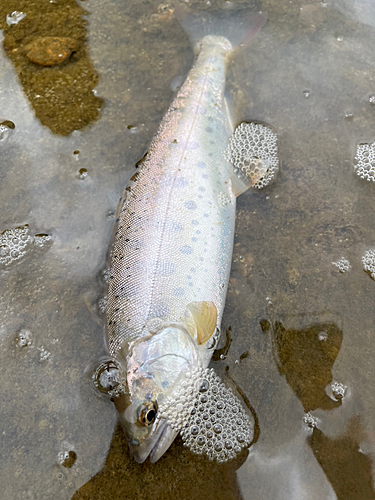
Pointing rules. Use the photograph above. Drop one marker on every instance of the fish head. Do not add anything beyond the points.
(155, 367)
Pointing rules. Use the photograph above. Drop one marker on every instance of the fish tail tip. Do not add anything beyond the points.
(238, 24)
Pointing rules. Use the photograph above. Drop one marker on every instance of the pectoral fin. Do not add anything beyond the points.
(252, 150)
(205, 318)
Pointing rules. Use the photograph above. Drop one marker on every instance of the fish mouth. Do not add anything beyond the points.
(156, 445)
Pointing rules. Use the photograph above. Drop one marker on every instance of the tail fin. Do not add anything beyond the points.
(236, 24)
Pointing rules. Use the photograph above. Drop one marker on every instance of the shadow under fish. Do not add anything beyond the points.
(179, 475)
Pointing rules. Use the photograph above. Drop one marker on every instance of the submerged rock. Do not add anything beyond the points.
(50, 50)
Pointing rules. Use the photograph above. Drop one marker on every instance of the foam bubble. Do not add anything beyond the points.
(310, 420)
(15, 17)
(66, 456)
(252, 150)
(338, 390)
(13, 244)
(343, 265)
(365, 161)
(23, 338)
(44, 354)
(6, 129)
(106, 379)
(82, 174)
(368, 261)
(42, 240)
(209, 417)
(102, 304)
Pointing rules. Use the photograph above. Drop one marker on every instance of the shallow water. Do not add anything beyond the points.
(296, 323)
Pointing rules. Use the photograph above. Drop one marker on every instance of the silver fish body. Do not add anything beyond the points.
(174, 236)
(171, 253)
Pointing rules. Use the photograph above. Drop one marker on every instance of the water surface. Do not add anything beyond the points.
(309, 73)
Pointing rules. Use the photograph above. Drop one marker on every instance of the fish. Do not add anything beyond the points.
(170, 261)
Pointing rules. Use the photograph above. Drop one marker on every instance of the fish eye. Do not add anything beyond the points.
(147, 413)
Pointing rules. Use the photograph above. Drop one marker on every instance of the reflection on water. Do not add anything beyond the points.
(310, 74)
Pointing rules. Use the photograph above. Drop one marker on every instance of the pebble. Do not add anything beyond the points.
(50, 50)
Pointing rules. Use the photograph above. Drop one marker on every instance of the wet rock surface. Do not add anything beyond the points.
(50, 51)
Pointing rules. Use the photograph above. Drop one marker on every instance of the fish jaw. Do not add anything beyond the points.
(153, 370)
(155, 445)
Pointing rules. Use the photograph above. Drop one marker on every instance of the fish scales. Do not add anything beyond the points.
(174, 235)
(170, 262)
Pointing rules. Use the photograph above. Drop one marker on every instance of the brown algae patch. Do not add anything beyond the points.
(48, 49)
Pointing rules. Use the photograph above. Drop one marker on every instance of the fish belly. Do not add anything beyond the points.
(174, 235)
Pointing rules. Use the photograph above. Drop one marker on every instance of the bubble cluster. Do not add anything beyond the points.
(15, 17)
(82, 174)
(252, 150)
(343, 265)
(23, 338)
(106, 379)
(310, 420)
(41, 240)
(106, 274)
(6, 129)
(365, 161)
(13, 244)
(66, 456)
(223, 199)
(368, 261)
(44, 354)
(338, 390)
(102, 304)
(209, 417)
(322, 336)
